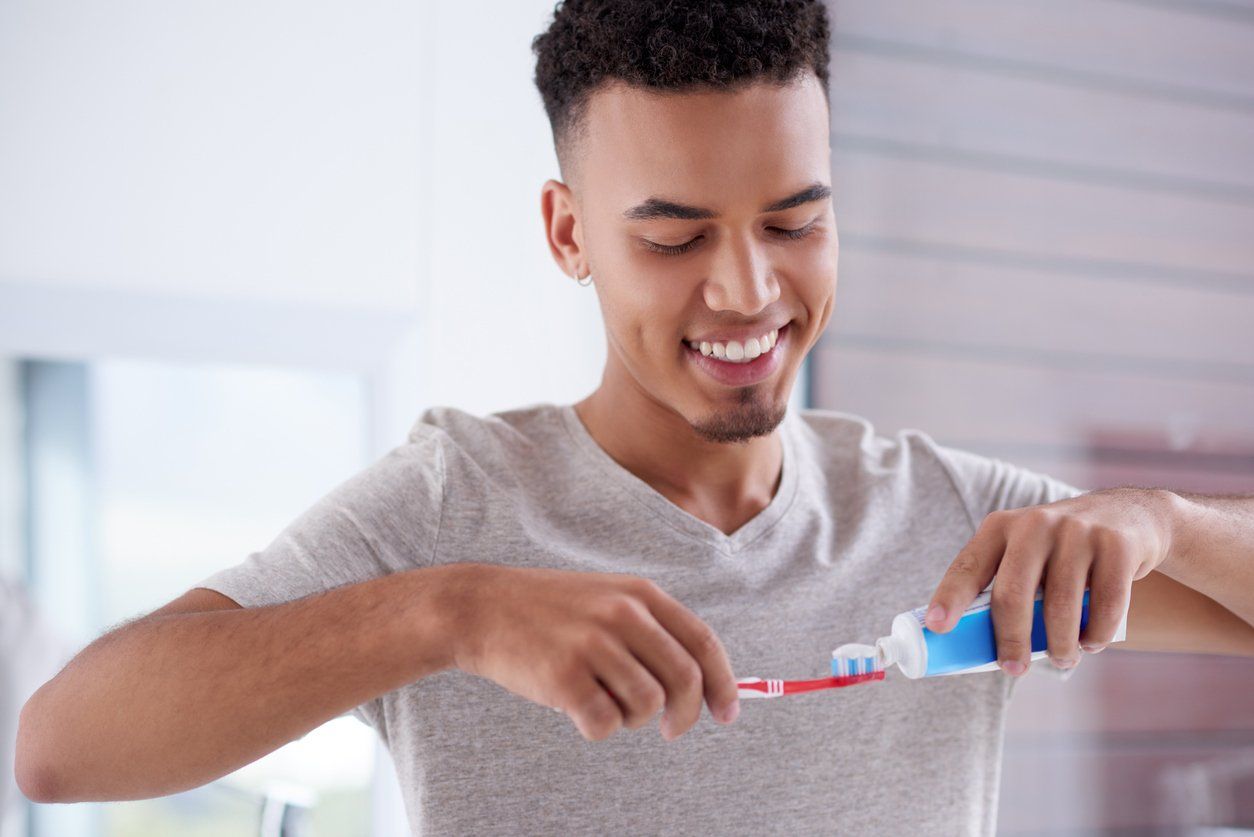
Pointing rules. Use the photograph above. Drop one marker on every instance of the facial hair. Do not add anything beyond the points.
(746, 420)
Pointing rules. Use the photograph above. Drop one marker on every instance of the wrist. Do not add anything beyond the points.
(451, 609)
(433, 615)
(1181, 515)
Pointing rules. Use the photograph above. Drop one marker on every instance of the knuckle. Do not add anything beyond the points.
(600, 719)
(1061, 608)
(1062, 613)
(646, 698)
(568, 668)
(1107, 606)
(1112, 541)
(689, 676)
(1073, 530)
(621, 610)
(591, 643)
(707, 641)
(644, 588)
(1038, 517)
(1011, 646)
(1010, 590)
(1000, 517)
(965, 564)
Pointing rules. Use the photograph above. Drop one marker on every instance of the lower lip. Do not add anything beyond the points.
(741, 374)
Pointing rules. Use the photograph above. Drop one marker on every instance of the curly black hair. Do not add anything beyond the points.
(672, 45)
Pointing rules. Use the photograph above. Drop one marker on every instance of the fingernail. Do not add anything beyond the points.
(1014, 667)
(1093, 649)
(936, 615)
(1063, 663)
(730, 712)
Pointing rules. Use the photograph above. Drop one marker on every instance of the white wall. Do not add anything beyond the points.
(506, 326)
(374, 159)
(259, 150)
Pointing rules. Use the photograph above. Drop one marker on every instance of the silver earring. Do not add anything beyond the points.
(582, 282)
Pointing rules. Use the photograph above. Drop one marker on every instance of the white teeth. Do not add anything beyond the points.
(736, 352)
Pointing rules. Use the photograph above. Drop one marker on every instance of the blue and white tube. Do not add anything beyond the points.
(969, 646)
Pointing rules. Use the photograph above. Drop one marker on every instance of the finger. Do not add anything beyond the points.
(1110, 593)
(1013, 600)
(678, 672)
(718, 683)
(595, 714)
(638, 693)
(1065, 577)
(968, 574)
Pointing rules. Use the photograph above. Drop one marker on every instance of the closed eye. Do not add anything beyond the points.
(678, 249)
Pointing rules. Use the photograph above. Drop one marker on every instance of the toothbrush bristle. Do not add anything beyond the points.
(854, 659)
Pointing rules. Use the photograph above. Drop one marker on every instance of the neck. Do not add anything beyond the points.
(724, 484)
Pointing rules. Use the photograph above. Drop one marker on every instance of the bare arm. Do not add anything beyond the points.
(202, 687)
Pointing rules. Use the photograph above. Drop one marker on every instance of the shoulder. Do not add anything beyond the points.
(852, 441)
(497, 443)
(520, 426)
(983, 483)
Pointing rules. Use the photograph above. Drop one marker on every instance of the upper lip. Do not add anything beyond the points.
(740, 335)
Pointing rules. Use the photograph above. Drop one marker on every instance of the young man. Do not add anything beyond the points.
(625, 555)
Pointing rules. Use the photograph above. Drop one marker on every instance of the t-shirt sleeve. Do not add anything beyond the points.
(987, 484)
(384, 519)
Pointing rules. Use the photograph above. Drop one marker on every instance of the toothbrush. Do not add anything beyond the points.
(851, 664)
(756, 687)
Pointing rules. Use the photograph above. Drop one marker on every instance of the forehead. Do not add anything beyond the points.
(724, 149)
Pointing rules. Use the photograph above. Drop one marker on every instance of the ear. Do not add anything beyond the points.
(562, 228)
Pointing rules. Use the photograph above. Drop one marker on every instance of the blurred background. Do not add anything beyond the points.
(242, 245)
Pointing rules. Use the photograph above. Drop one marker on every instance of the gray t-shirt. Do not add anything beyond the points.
(861, 528)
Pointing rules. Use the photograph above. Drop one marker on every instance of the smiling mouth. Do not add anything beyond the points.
(737, 352)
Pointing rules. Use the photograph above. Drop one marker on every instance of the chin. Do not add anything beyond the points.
(745, 416)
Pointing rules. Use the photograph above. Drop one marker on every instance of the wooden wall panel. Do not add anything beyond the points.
(986, 205)
(928, 301)
(1002, 400)
(1046, 214)
(1147, 48)
(1036, 122)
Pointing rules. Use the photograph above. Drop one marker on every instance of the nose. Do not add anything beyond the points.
(742, 279)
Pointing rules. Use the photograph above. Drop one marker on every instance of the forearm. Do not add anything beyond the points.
(171, 702)
(1212, 549)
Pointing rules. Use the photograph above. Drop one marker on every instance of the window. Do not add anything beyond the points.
(146, 476)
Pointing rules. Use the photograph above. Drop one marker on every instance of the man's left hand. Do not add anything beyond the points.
(1102, 541)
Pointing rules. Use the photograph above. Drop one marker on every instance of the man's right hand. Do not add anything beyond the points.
(607, 649)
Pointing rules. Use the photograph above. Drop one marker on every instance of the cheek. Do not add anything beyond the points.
(643, 318)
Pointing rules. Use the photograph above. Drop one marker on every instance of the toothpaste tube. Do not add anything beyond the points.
(969, 646)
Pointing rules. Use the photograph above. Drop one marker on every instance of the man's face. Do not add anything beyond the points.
(733, 272)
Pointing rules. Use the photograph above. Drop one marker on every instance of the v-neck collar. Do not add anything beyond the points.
(678, 518)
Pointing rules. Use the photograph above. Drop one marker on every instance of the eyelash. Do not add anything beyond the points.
(680, 249)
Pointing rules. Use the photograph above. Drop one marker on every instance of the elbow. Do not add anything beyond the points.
(33, 771)
(36, 782)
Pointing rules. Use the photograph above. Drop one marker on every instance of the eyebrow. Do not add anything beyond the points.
(655, 208)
